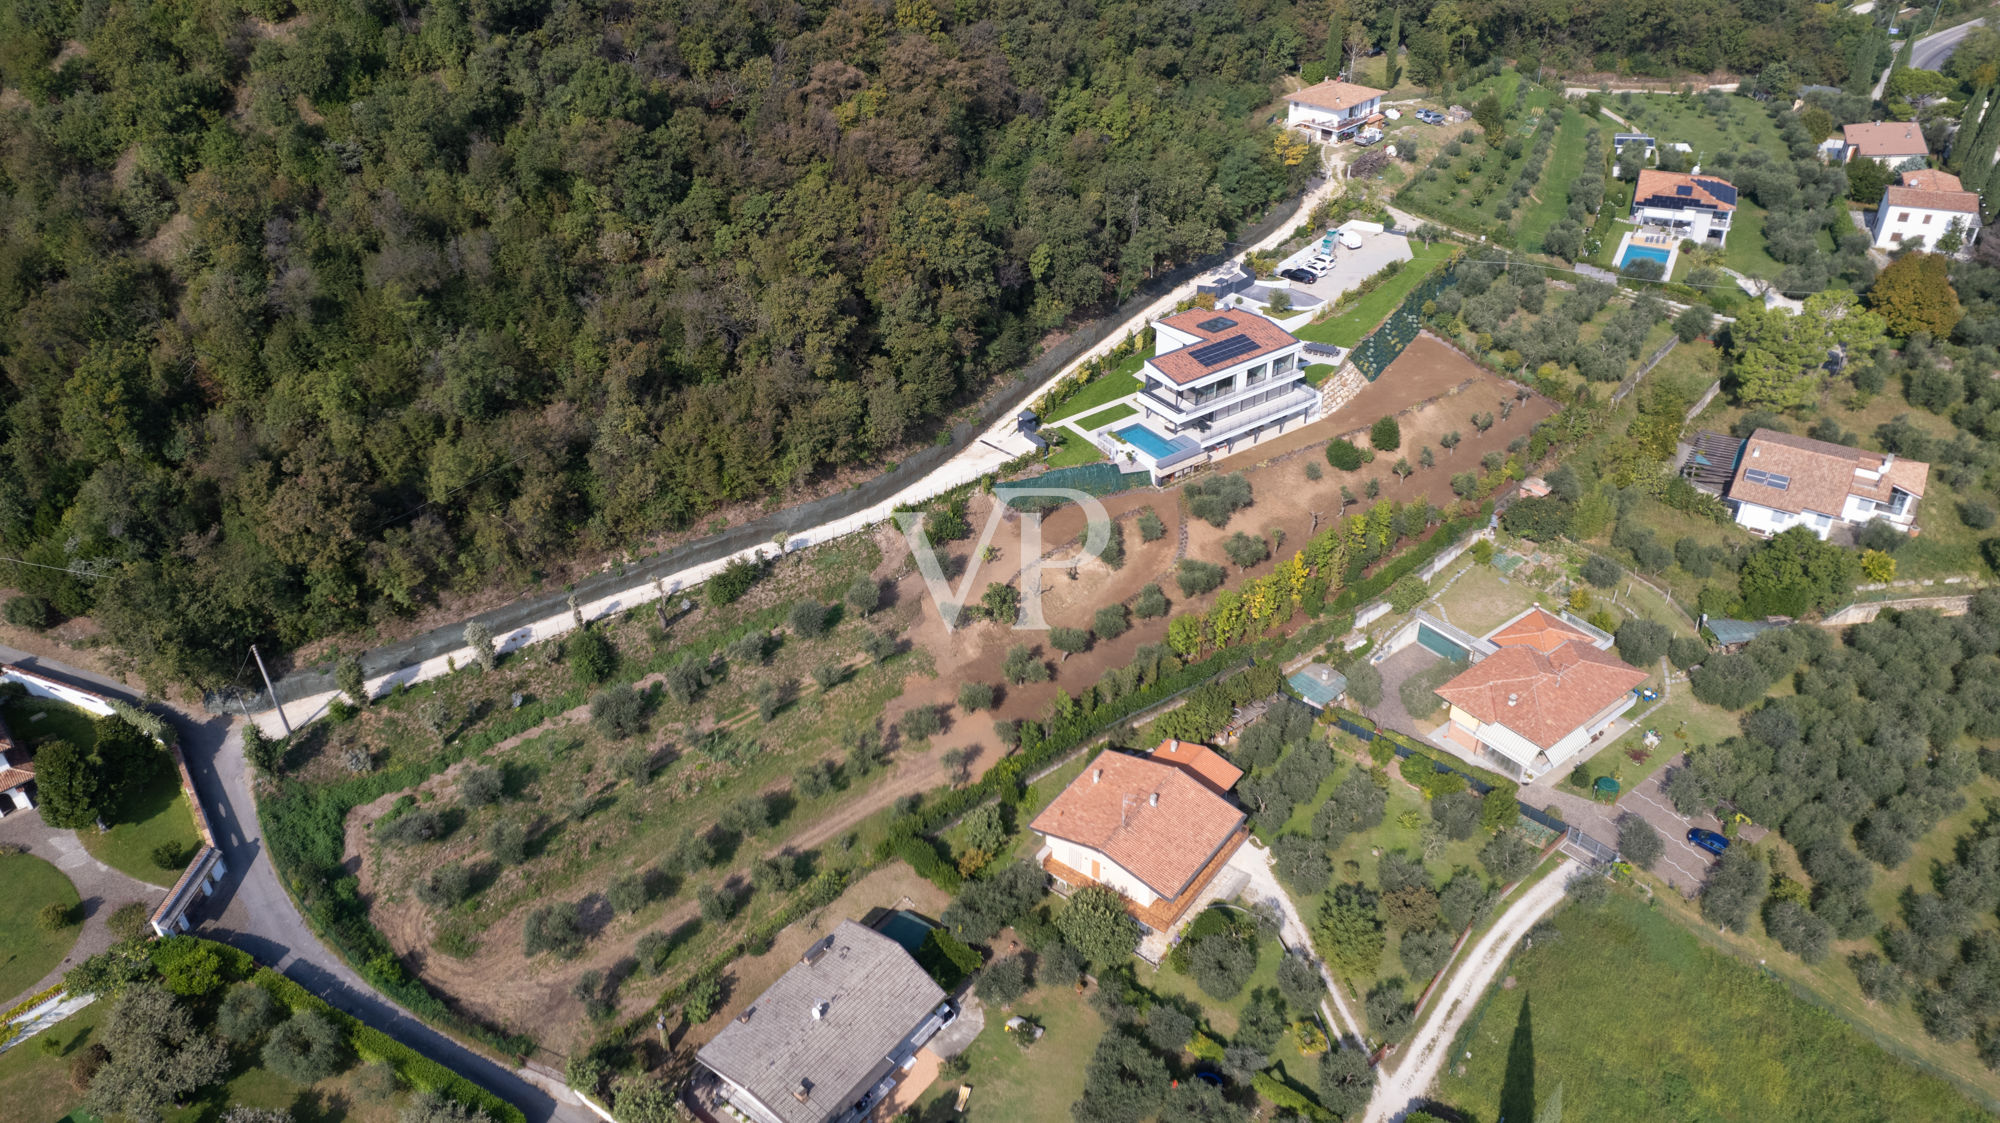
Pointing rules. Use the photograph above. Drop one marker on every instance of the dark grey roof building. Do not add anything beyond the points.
(828, 1039)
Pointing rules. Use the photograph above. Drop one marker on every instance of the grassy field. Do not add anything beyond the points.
(157, 814)
(1681, 713)
(34, 720)
(1636, 1021)
(1565, 166)
(1010, 1083)
(1070, 448)
(35, 1086)
(1353, 325)
(1102, 418)
(1481, 599)
(26, 952)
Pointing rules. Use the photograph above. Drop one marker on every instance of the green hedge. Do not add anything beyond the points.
(923, 856)
(1492, 780)
(371, 1044)
(1291, 1099)
(946, 959)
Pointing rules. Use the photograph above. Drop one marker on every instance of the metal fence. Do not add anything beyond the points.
(1098, 479)
(1406, 752)
(1385, 345)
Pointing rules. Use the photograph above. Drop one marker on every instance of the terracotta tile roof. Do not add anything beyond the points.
(1199, 761)
(11, 778)
(1181, 365)
(1542, 697)
(1678, 189)
(1539, 630)
(1931, 191)
(1332, 94)
(1164, 912)
(1820, 474)
(1885, 138)
(1928, 180)
(1157, 821)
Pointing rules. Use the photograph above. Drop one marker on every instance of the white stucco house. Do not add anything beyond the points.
(1155, 828)
(1894, 144)
(1333, 111)
(1550, 688)
(1921, 207)
(1693, 206)
(1217, 380)
(1781, 481)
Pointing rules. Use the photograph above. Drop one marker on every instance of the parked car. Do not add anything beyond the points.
(1302, 276)
(1708, 840)
(1350, 239)
(1209, 1078)
(1430, 116)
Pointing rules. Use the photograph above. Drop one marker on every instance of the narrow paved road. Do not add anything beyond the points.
(1933, 51)
(1417, 1064)
(252, 911)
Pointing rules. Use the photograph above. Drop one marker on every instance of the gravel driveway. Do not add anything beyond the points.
(102, 888)
(1683, 866)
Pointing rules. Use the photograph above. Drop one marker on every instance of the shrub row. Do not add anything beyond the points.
(1482, 780)
(1288, 1098)
(371, 1044)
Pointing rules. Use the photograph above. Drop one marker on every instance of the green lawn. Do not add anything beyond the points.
(1116, 383)
(1565, 167)
(1704, 725)
(34, 1086)
(1481, 598)
(34, 720)
(155, 815)
(1070, 447)
(1010, 1083)
(1352, 326)
(1102, 418)
(1744, 249)
(1636, 1021)
(26, 952)
(1317, 373)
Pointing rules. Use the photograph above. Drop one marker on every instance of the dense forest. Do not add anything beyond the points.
(309, 314)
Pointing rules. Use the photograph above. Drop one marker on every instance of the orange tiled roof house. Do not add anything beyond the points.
(1155, 828)
(1548, 691)
(1332, 111)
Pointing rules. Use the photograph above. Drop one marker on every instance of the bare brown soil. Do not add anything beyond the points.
(1433, 388)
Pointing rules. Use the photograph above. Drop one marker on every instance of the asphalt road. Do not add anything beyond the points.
(1931, 51)
(251, 910)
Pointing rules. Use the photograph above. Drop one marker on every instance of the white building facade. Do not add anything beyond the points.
(1923, 208)
(1333, 111)
(1695, 207)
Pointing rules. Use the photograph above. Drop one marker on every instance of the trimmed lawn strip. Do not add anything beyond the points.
(157, 815)
(1635, 1020)
(1360, 319)
(1564, 168)
(1071, 448)
(59, 721)
(26, 952)
(1098, 421)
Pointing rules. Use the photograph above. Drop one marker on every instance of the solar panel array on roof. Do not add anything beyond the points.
(1722, 191)
(1219, 323)
(1683, 189)
(1223, 350)
(1776, 480)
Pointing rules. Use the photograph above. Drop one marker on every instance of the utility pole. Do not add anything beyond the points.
(271, 690)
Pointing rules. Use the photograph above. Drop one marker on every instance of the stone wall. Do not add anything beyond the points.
(1340, 389)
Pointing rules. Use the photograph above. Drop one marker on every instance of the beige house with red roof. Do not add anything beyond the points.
(1918, 209)
(1333, 111)
(1781, 481)
(1892, 143)
(1217, 380)
(1156, 828)
(1550, 690)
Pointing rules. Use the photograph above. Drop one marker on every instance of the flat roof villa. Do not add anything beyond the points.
(1217, 380)
(1692, 206)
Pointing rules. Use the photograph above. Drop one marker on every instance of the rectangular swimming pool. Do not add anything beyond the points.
(1649, 253)
(1147, 441)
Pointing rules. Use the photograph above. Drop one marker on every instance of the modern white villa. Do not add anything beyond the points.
(1696, 207)
(1333, 111)
(1781, 481)
(1217, 380)
(1919, 209)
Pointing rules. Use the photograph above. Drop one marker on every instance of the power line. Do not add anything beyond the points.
(83, 573)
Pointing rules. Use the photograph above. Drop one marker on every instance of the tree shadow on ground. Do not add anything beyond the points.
(1517, 1086)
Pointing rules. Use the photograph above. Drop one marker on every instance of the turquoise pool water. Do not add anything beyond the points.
(1146, 441)
(906, 928)
(1649, 253)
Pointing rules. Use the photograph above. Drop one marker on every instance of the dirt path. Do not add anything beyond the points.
(1417, 1063)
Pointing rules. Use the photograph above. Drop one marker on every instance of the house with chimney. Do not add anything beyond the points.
(1778, 481)
(1550, 688)
(1333, 111)
(1920, 208)
(1155, 827)
(1895, 145)
(832, 1037)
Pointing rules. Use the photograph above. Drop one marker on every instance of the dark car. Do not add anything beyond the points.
(1708, 840)
(1302, 276)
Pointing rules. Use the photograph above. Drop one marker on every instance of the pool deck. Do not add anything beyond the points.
(1653, 241)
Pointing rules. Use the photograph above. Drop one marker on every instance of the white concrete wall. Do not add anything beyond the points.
(1918, 227)
(48, 688)
(1767, 520)
(1704, 223)
(1107, 872)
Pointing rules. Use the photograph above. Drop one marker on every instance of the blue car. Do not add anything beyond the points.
(1708, 840)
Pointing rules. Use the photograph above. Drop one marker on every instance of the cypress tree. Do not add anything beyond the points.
(1977, 164)
(1391, 70)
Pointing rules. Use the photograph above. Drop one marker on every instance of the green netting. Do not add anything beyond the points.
(1099, 479)
(1373, 355)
